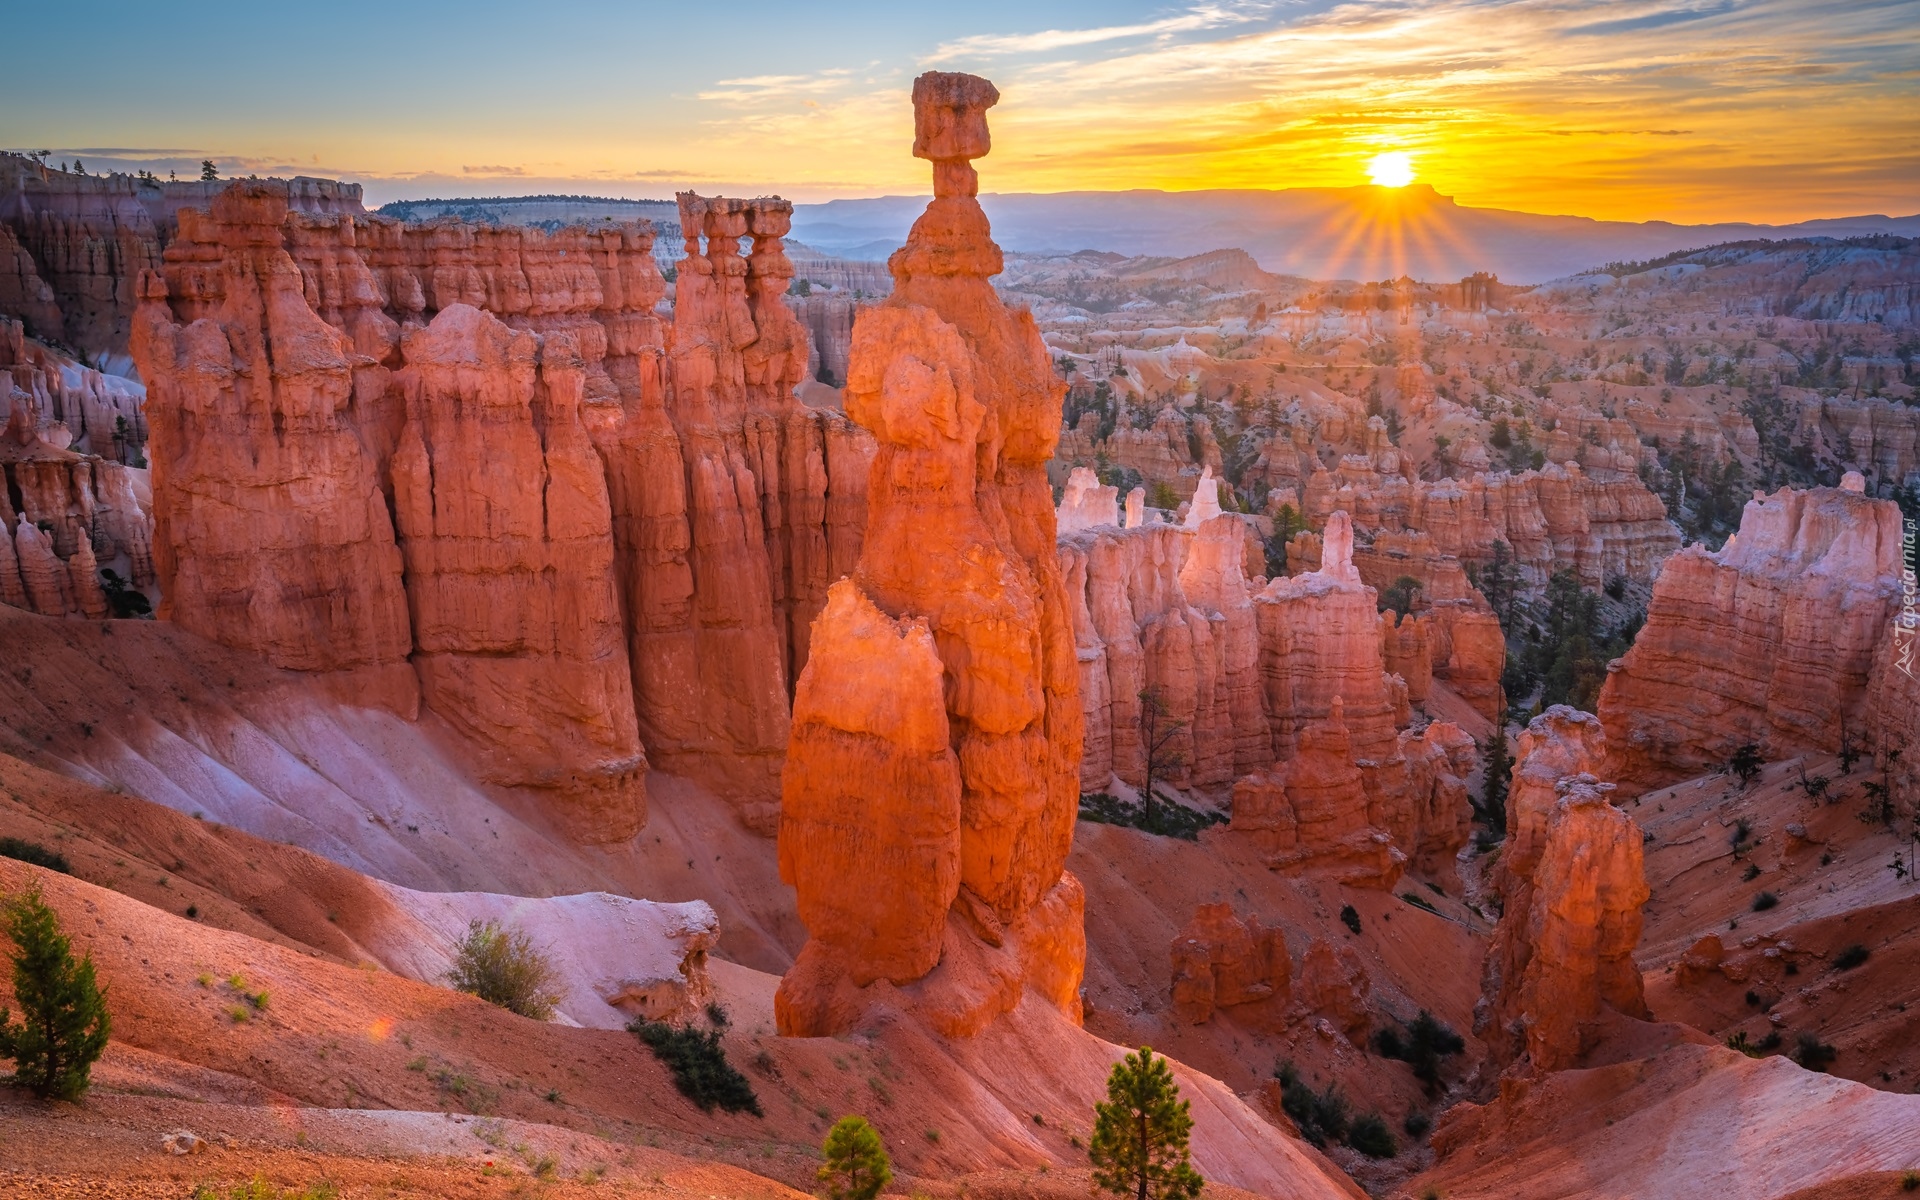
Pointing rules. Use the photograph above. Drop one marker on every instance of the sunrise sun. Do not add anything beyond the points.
(1393, 169)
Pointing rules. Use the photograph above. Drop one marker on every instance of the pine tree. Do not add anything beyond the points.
(856, 1166)
(63, 1015)
(1493, 802)
(1139, 1145)
(208, 171)
(1158, 729)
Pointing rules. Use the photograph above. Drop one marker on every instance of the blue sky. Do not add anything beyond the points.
(1677, 109)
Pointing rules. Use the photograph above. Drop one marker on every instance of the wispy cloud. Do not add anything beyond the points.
(492, 170)
(1204, 16)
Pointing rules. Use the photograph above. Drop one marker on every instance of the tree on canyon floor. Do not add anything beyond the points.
(856, 1166)
(1492, 807)
(63, 1014)
(1286, 523)
(1400, 595)
(1499, 582)
(1139, 1143)
(1158, 728)
(1565, 655)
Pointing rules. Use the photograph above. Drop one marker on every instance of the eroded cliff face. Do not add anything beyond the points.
(1770, 641)
(1573, 881)
(628, 517)
(510, 573)
(272, 532)
(1452, 636)
(1582, 926)
(67, 510)
(73, 246)
(937, 724)
(1292, 694)
(1597, 524)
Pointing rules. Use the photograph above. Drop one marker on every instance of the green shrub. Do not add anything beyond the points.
(699, 1065)
(35, 853)
(1427, 1041)
(501, 966)
(1850, 957)
(1321, 1116)
(1765, 901)
(1371, 1137)
(63, 1015)
(260, 1188)
(1812, 1053)
(1169, 819)
(1349, 917)
(855, 1165)
(1417, 1124)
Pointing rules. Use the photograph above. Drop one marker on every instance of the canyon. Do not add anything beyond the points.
(930, 680)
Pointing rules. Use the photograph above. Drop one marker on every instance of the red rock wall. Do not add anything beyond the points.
(272, 529)
(1559, 518)
(510, 573)
(88, 238)
(729, 506)
(1572, 882)
(1771, 640)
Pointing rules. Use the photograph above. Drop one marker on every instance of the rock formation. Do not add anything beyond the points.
(85, 504)
(1582, 924)
(1572, 882)
(670, 459)
(932, 777)
(272, 533)
(510, 573)
(1325, 808)
(1086, 504)
(1320, 639)
(1334, 985)
(1456, 630)
(1770, 640)
(73, 246)
(1558, 518)
(1222, 962)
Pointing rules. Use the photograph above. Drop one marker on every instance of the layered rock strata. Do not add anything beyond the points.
(77, 511)
(73, 246)
(667, 460)
(272, 532)
(931, 780)
(1559, 518)
(1583, 919)
(510, 574)
(1770, 640)
(1572, 880)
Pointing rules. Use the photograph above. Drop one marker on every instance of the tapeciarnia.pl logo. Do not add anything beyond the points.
(1906, 626)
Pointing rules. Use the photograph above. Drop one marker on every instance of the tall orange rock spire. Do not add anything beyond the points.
(932, 778)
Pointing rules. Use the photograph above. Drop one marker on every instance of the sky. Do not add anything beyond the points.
(1681, 110)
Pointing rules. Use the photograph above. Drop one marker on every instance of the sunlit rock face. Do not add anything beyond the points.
(272, 531)
(937, 724)
(1572, 881)
(476, 461)
(1770, 640)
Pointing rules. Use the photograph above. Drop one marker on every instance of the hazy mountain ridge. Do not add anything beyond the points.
(1320, 233)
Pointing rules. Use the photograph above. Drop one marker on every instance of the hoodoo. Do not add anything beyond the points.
(926, 814)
